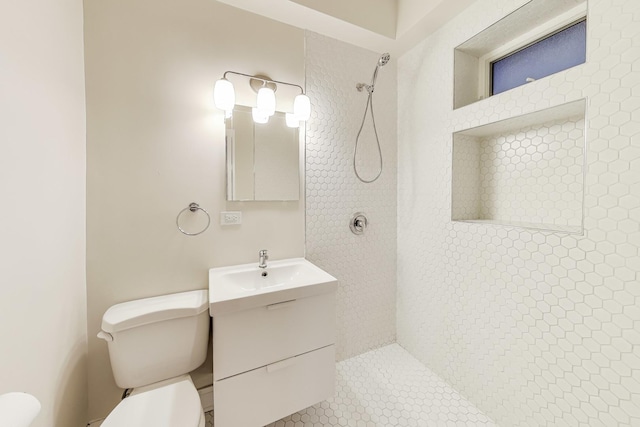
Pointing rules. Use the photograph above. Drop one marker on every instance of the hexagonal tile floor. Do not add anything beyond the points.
(387, 387)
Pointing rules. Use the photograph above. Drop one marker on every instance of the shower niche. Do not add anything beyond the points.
(526, 171)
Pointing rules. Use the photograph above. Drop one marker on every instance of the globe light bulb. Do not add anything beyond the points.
(224, 96)
(302, 107)
(292, 120)
(259, 116)
(266, 101)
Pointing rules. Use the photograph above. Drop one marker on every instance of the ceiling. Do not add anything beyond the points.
(379, 25)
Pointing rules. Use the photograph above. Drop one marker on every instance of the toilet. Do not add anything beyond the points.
(18, 409)
(153, 345)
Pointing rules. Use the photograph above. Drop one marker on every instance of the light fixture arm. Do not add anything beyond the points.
(265, 81)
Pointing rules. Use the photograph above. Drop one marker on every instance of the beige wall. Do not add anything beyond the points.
(378, 16)
(42, 200)
(155, 143)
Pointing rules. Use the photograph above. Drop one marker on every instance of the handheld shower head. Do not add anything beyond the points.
(384, 59)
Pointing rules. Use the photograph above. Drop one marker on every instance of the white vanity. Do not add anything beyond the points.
(273, 340)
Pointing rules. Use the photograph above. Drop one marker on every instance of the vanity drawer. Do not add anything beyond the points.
(252, 338)
(264, 395)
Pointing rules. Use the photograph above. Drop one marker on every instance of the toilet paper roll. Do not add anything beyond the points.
(18, 409)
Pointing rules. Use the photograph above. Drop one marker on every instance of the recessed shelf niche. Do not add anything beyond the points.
(526, 171)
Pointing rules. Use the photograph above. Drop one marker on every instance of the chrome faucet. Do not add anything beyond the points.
(263, 258)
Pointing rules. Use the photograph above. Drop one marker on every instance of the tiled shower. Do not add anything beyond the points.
(536, 324)
(365, 264)
(534, 327)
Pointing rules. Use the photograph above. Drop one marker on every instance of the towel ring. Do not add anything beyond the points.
(193, 207)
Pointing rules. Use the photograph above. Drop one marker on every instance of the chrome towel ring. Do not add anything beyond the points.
(193, 207)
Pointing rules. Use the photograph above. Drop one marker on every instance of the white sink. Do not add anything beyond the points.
(245, 286)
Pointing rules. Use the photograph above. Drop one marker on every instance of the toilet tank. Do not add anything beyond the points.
(156, 338)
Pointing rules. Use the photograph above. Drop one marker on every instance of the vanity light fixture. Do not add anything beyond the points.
(224, 98)
(292, 120)
(302, 107)
(266, 101)
(259, 116)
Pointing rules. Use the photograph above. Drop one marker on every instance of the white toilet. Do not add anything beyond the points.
(18, 409)
(153, 345)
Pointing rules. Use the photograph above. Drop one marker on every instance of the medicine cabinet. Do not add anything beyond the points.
(262, 159)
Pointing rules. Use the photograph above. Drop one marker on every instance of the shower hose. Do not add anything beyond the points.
(375, 131)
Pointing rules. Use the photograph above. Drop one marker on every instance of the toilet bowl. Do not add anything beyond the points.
(169, 403)
(18, 409)
(153, 344)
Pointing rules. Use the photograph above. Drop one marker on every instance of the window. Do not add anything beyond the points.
(559, 51)
(540, 38)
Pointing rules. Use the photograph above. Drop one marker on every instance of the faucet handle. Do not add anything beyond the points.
(262, 262)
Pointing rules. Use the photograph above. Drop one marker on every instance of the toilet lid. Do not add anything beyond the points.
(174, 405)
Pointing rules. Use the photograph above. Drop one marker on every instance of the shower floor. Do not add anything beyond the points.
(387, 387)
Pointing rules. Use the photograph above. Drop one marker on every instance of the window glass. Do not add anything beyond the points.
(562, 50)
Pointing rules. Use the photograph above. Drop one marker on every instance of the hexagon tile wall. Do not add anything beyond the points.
(536, 328)
(532, 177)
(364, 265)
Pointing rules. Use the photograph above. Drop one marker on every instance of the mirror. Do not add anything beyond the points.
(262, 159)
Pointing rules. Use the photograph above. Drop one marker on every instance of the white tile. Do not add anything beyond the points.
(534, 327)
(386, 387)
(364, 265)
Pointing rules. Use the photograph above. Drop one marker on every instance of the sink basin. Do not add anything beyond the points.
(245, 286)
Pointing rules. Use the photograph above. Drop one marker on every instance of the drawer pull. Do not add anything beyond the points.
(281, 365)
(279, 305)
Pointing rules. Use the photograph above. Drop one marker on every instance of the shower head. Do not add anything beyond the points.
(384, 59)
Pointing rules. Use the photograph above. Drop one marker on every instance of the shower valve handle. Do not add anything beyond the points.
(358, 223)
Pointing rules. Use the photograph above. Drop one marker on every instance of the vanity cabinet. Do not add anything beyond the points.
(273, 360)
